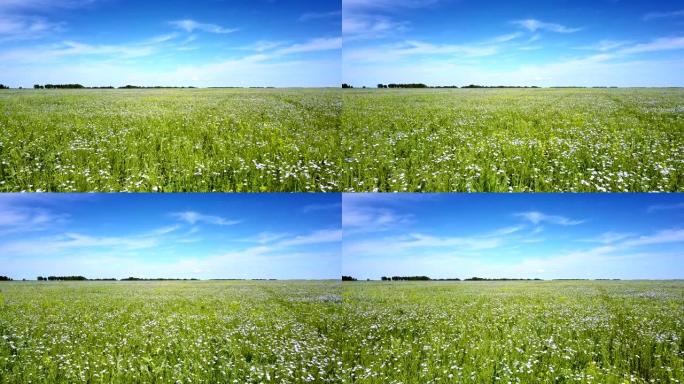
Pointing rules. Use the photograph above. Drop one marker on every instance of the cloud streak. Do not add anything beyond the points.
(534, 25)
(313, 45)
(192, 218)
(664, 207)
(14, 27)
(536, 217)
(663, 15)
(657, 45)
(190, 26)
(319, 15)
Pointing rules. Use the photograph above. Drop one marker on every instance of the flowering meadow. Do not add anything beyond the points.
(357, 332)
(169, 332)
(249, 140)
(514, 332)
(501, 140)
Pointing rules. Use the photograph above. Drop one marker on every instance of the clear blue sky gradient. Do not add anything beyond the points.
(545, 43)
(627, 236)
(160, 42)
(284, 236)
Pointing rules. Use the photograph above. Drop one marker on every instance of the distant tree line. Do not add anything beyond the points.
(82, 278)
(421, 85)
(5, 278)
(405, 278)
(586, 279)
(154, 87)
(410, 85)
(58, 86)
(237, 279)
(3, 86)
(497, 86)
(348, 278)
(154, 279)
(499, 279)
(79, 86)
(61, 278)
(426, 278)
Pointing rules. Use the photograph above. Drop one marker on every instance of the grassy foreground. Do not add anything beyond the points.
(513, 140)
(324, 332)
(169, 332)
(514, 332)
(170, 140)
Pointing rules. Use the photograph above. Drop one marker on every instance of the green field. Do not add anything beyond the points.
(513, 140)
(169, 332)
(514, 332)
(170, 140)
(357, 140)
(321, 332)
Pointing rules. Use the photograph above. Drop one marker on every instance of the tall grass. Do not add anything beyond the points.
(170, 140)
(514, 332)
(513, 140)
(169, 332)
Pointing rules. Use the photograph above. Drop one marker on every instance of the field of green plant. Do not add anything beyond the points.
(513, 332)
(513, 140)
(169, 332)
(170, 140)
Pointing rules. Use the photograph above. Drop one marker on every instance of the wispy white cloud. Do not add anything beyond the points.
(163, 230)
(609, 237)
(606, 45)
(371, 219)
(18, 19)
(426, 243)
(192, 218)
(264, 45)
(594, 70)
(665, 207)
(257, 262)
(506, 37)
(663, 15)
(321, 207)
(27, 219)
(417, 242)
(534, 25)
(44, 4)
(386, 4)
(536, 217)
(313, 45)
(189, 25)
(412, 48)
(319, 15)
(267, 237)
(508, 230)
(370, 26)
(660, 44)
(14, 27)
(618, 255)
(661, 237)
(370, 19)
(69, 48)
(74, 241)
(316, 237)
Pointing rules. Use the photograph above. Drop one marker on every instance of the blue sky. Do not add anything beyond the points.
(627, 236)
(284, 236)
(170, 42)
(544, 43)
